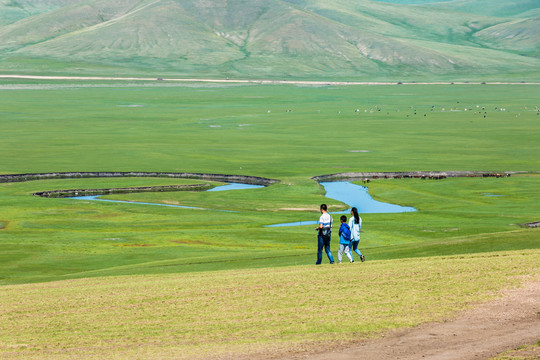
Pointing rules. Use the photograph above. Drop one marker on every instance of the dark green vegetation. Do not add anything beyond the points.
(288, 39)
(280, 132)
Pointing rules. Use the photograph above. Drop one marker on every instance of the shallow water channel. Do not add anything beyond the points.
(354, 196)
(344, 191)
(230, 186)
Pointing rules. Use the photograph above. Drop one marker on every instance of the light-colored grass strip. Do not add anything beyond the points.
(202, 315)
(524, 352)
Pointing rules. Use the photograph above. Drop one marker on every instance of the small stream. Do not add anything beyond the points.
(344, 191)
(227, 187)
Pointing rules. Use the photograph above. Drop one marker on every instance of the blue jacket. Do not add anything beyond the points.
(344, 234)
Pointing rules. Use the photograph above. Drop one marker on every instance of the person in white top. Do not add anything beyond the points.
(355, 223)
(324, 231)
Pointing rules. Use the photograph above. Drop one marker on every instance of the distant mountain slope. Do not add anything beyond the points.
(14, 10)
(503, 8)
(315, 39)
(483, 7)
(521, 35)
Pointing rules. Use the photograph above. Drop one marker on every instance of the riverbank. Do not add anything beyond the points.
(432, 175)
(127, 190)
(254, 180)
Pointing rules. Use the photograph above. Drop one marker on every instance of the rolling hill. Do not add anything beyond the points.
(285, 39)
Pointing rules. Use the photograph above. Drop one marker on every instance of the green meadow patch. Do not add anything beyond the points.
(275, 131)
(282, 132)
(246, 312)
(59, 238)
(92, 279)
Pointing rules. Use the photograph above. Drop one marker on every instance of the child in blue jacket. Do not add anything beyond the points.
(344, 240)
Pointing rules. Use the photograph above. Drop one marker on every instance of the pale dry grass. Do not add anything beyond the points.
(235, 313)
(525, 352)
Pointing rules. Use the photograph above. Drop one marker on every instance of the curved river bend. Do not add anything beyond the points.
(230, 186)
(354, 196)
(344, 191)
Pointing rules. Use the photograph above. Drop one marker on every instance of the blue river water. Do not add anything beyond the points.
(354, 196)
(358, 196)
(344, 191)
(230, 186)
(235, 186)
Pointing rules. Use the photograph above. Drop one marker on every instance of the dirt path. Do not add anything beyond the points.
(244, 81)
(480, 333)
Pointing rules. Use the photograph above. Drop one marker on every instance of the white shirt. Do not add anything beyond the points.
(326, 220)
(355, 228)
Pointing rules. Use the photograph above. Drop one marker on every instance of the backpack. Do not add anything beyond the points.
(326, 231)
(346, 232)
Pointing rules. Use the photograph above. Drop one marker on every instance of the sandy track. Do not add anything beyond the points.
(247, 81)
(479, 333)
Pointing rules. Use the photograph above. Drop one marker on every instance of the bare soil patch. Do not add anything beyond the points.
(483, 332)
(254, 81)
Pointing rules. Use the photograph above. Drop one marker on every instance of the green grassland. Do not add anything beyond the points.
(287, 133)
(251, 288)
(247, 129)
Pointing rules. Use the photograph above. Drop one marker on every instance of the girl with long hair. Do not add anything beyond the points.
(355, 223)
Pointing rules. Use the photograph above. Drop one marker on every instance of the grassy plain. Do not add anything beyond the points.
(287, 133)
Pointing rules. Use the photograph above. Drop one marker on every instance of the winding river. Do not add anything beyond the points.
(344, 191)
(354, 196)
(227, 187)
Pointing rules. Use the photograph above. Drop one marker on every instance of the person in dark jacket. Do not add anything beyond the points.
(344, 240)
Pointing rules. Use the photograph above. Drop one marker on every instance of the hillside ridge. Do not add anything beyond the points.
(297, 39)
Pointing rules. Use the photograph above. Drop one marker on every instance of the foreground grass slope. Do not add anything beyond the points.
(279, 39)
(51, 239)
(103, 280)
(245, 313)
